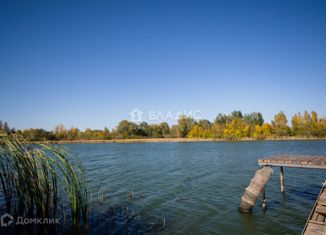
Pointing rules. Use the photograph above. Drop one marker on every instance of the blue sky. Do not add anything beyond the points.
(88, 64)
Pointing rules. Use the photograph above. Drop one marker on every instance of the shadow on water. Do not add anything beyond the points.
(120, 219)
(104, 218)
(306, 193)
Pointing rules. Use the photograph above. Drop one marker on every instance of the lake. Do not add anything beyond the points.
(197, 186)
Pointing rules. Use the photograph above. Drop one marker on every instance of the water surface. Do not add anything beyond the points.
(197, 186)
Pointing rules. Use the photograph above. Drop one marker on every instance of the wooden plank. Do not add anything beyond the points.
(285, 158)
(320, 225)
(267, 160)
(321, 161)
(320, 218)
(314, 217)
(290, 159)
(322, 202)
(294, 165)
(275, 159)
(297, 161)
(316, 228)
(316, 222)
(322, 199)
(314, 161)
(323, 193)
(305, 160)
(321, 209)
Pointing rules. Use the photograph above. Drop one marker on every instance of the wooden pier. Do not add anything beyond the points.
(298, 161)
(316, 222)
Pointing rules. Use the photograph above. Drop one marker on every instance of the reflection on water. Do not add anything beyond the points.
(195, 188)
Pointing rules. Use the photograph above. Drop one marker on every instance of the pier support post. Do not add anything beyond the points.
(282, 179)
(263, 198)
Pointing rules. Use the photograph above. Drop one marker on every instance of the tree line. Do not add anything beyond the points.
(233, 126)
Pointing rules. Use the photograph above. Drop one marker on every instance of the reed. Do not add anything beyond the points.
(41, 180)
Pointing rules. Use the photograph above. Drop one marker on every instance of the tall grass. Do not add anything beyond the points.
(40, 181)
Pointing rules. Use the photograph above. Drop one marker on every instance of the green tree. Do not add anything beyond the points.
(221, 119)
(35, 134)
(124, 129)
(184, 125)
(128, 129)
(205, 124)
(60, 132)
(174, 131)
(156, 131)
(106, 135)
(322, 127)
(280, 124)
(236, 114)
(165, 129)
(307, 124)
(88, 135)
(6, 127)
(314, 123)
(72, 133)
(254, 118)
(135, 130)
(143, 130)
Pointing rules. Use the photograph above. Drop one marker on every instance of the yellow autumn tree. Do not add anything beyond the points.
(280, 124)
(262, 132)
(316, 128)
(297, 124)
(217, 131)
(195, 132)
(72, 133)
(236, 129)
(198, 131)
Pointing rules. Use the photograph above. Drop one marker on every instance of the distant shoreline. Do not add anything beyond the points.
(171, 140)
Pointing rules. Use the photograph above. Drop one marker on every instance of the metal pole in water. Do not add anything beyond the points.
(263, 199)
(282, 179)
